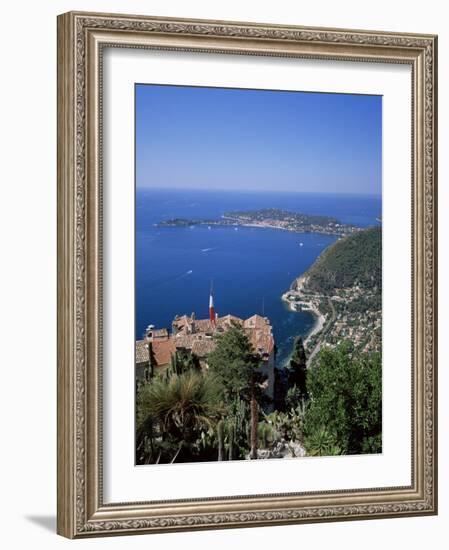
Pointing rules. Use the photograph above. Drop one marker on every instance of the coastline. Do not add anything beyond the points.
(202, 207)
(320, 319)
(297, 301)
(348, 307)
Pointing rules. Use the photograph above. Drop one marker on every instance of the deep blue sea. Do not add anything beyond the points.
(250, 267)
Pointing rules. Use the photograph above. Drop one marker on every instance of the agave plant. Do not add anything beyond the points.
(322, 443)
(182, 405)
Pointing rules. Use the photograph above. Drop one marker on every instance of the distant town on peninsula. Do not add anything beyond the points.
(274, 218)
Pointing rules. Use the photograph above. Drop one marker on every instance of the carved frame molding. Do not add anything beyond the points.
(81, 39)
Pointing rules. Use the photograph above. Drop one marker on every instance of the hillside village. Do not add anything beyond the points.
(198, 338)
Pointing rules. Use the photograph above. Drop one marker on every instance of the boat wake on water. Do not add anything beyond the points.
(172, 279)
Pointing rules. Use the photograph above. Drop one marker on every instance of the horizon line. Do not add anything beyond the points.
(261, 191)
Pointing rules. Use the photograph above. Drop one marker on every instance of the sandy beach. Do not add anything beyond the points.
(317, 327)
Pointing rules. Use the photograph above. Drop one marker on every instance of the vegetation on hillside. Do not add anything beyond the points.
(189, 415)
(345, 401)
(353, 260)
(185, 414)
(345, 286)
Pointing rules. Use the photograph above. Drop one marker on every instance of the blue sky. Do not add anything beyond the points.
(257, 140)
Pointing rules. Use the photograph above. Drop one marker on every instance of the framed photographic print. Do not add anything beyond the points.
(246, 274)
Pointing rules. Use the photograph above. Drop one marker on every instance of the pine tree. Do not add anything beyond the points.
(236, 364)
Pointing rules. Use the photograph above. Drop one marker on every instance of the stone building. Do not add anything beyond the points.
(198, 337)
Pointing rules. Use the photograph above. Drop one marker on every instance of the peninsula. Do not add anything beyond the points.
(273, 218)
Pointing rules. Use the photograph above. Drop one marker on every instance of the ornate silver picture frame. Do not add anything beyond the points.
(82, 40)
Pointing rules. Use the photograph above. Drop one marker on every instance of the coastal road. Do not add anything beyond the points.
(328, 325)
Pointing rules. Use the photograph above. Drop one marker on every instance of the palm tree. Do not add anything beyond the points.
(182, 406)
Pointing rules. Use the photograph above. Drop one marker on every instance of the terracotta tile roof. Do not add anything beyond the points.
(227, 320)
(180, 323)
(203, 347)
(190, 333)
(186, 325)
(162, 350)
(203, 325)
(184, 341)
(256, 321)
